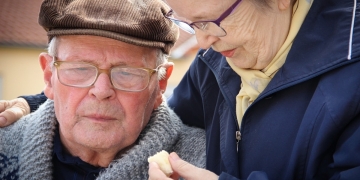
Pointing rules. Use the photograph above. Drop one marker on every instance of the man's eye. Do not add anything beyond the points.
(124, 73)
(81, 69)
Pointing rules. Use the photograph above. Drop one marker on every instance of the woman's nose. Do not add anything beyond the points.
(204, 39)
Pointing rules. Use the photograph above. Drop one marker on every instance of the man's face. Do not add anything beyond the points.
(101, 117)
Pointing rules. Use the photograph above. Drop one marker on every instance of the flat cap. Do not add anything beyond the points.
(138, 22)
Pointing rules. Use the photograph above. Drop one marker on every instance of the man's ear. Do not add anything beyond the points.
(163, 83)
(45, 60)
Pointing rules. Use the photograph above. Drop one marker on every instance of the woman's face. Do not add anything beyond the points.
(255, 32)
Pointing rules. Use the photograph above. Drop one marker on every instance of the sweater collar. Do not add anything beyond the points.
(161, 133)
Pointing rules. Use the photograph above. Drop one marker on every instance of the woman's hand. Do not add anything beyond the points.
(182, 169)
(12, 110)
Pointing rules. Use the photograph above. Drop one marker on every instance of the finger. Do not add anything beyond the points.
(3, 105)
(189, 171)
(155, 172)
(2, 121)
(22, 104)
(10, 115)
(181, 167)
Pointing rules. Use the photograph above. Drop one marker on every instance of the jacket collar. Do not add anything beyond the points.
(228, 80)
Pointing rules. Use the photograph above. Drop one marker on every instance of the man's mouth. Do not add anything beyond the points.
(100, 118)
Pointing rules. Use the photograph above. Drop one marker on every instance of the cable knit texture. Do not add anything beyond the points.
(26, 147)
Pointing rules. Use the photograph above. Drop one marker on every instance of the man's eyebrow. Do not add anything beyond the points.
(72, 58)
(94, 62)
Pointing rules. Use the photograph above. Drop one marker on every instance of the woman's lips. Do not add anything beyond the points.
(228, 53)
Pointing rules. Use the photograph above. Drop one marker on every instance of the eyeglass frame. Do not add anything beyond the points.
(224, 15)
(151, 72)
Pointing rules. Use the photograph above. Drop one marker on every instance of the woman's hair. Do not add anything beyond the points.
(161, 57)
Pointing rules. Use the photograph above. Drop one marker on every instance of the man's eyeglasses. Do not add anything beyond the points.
(82, 74)
(212, 26)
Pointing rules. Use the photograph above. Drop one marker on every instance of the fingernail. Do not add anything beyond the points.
(2, 121)
(152, 164)
(174, 156)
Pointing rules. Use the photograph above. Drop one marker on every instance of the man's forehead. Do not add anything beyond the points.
(99, 50)
(98, 42)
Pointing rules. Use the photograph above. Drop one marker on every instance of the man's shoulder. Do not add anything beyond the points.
(192, 137)
(10, 139)
(192, 145)
(186, 133)
(8, 167)
(195, 132)
(11, 135)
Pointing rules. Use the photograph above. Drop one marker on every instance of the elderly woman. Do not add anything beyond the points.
(276, 87)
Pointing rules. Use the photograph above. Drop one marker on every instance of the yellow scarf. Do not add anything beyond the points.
(255, 81)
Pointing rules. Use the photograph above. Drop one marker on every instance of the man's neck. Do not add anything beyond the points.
(95, 157)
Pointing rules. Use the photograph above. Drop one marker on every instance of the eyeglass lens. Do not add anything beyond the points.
(211, 28)
(129, 78)
(184, 26)
(84, 75)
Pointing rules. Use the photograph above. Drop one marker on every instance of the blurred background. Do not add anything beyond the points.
(22, 39)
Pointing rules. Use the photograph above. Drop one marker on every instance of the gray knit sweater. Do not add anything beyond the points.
(26, 146)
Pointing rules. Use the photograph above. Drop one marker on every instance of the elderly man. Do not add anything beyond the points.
(105, 72)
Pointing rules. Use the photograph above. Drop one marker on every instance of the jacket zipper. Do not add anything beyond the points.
(238, 138)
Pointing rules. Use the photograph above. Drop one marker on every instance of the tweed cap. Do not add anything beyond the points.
(138, 22)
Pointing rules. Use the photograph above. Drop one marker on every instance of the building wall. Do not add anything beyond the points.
(20, 72)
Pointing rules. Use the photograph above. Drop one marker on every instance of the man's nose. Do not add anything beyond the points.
(204, 39)
(103, 88)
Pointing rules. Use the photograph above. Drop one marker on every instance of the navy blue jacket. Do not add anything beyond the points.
(304, 125)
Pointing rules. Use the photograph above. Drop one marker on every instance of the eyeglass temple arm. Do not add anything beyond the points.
(227, 12)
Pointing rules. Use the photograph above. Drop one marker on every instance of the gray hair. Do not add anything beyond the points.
(162, 58)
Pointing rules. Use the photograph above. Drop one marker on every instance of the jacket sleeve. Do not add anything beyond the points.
(35, 101)
(186, 98)
(346, 158)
